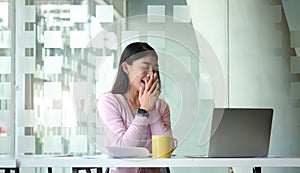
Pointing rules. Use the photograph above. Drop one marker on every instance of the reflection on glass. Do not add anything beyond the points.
(295, 39)
(5, 38)
(26, 144)
(78, 13)
(129, 37)
(156, 39)
(52, 144)
(78, 144)
(28, 40)
(156, 13)
(25, 65)
(53, 64)
(5, 65)
(295, 90)
(104, 13)
(53, 118)
(79, 39)
(26, 118)
(4, 16)
(29, 13)
(5, 142)
(295, 64)
(6, 132)
(52, 39)
(181, 13)
(5, 90)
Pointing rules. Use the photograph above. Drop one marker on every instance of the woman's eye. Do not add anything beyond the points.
(145, 68)
(148, 68)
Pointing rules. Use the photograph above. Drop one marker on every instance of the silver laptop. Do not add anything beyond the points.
(240, 132)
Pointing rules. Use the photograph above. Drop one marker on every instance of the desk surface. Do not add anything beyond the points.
(104, 161)
(7, 162)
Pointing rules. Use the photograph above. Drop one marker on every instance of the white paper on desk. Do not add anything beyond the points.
(95, 156)
(127, 152)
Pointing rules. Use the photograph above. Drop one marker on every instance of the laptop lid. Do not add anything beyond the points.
(240, 132)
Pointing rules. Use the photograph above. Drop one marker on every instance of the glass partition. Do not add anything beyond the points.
(55, 73)
(6, 80)
(58, 57)
(66, 56)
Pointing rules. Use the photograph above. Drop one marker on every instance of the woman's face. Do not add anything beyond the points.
(140, 70)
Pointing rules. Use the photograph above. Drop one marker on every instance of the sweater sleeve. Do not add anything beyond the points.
(159, 119)
(113, 125)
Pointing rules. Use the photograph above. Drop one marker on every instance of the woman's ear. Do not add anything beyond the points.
(125, 67)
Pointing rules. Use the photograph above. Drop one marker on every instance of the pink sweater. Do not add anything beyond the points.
(120, 126)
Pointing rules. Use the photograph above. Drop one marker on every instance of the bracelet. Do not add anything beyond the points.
(142, 112)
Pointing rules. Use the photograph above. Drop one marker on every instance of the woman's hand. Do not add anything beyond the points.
(150, 93)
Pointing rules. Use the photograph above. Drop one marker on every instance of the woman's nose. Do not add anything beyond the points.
(150, 72)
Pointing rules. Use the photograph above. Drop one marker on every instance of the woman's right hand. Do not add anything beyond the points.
(149, 94)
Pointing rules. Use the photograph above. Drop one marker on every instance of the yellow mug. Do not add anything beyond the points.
(162, 146)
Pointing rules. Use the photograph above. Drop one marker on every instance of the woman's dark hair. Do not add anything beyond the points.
(132, 52)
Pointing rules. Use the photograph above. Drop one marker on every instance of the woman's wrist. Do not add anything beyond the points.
(142, 112)
(146, 108)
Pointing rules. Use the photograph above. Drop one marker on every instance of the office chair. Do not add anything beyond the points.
(88, 170)
(8, 170)
(164, 170)
(75, 170)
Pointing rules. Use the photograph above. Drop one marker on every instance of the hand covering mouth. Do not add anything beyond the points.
(143, 83)
(144, 80)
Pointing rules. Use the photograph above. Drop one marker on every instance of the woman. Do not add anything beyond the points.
(132, 112)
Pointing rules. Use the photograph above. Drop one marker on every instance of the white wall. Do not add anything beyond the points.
(259, 74)
(258, 61)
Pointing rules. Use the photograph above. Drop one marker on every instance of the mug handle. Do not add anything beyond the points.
(176, 144)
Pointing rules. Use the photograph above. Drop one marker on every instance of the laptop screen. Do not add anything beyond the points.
(240, 132)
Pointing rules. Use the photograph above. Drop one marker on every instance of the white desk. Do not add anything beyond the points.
(8, 163)
(103, 161)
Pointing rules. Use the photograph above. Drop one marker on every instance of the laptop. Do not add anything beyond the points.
(240, 132)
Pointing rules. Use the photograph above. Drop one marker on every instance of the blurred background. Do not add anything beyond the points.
(58, 56)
